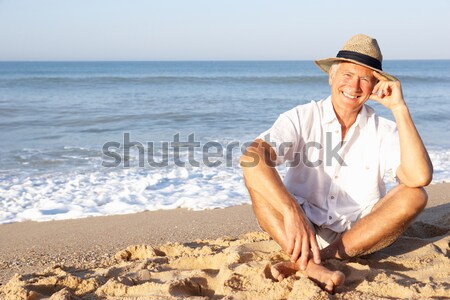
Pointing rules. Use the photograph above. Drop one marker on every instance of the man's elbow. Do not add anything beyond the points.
(424, 180)
(425, 177)
(419, 180)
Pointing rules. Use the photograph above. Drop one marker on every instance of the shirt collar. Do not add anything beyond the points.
(328, 111)
(329, 114)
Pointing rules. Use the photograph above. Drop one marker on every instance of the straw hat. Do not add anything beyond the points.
(359, 49)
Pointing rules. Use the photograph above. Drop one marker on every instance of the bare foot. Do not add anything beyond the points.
(283, 269)
(325, 278)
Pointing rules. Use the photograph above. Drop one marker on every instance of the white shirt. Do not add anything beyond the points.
(334, 183)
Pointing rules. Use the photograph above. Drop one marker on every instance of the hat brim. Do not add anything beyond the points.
(326, 63)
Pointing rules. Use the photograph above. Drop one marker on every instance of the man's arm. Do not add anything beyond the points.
(416, 169)
(262, 179)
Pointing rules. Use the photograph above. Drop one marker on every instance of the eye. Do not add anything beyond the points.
(366, 80)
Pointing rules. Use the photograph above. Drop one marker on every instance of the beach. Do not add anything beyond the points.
(209, 254)
(122, 180)
(123, 128)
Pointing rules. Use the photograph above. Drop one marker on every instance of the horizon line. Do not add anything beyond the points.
(210, 60)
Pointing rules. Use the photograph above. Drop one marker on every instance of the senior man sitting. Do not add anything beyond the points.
(333, 201)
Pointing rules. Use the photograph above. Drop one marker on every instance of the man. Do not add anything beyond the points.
(333, 202)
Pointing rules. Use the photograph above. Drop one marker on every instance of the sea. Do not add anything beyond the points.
(81, 139)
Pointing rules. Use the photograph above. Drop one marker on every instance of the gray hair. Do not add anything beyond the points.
(334, 68)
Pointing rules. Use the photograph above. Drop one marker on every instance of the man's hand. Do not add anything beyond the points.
(301, 238)
(388, 93)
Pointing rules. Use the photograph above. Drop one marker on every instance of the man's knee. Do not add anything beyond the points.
(422, 198)
(414, 200)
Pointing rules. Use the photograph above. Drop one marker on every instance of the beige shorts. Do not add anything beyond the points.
(326, 236)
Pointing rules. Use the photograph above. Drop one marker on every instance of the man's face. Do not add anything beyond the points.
(351, 86)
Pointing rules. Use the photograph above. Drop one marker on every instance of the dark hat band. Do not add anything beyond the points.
(362, 58)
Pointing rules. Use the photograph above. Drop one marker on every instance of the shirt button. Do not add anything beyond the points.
(332, 197)
(329, 217)
(336, 177)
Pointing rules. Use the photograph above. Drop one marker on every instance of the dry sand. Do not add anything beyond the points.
(217, 254)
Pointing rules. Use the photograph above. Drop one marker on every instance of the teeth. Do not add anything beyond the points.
(349, 96)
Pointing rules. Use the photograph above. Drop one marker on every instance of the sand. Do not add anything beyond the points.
(216, 254)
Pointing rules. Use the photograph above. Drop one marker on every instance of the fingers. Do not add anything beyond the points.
(315, 248)
(297, 249)
(309, 243)
(305, 253)
(379, 76)
(301, 252)
(382, 89)
(290, 246)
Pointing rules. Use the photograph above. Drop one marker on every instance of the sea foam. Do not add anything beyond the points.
(80, 193)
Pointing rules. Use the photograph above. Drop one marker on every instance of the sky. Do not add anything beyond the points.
(55, 30)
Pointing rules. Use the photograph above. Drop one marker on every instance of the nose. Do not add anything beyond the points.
(355, 83)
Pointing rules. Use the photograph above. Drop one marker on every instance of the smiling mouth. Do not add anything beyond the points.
(349, 96)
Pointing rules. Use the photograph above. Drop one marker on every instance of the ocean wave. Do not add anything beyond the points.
(161, 80)
(98, 81)
(103, 192)
(417, 79)
(83, 188)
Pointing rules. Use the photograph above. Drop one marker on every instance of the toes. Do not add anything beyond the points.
(275, 273)
(338, 278)
(329, 286)
(282, 270)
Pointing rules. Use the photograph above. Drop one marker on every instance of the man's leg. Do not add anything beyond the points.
(382, 226)
(269, 219)
(272, 222)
